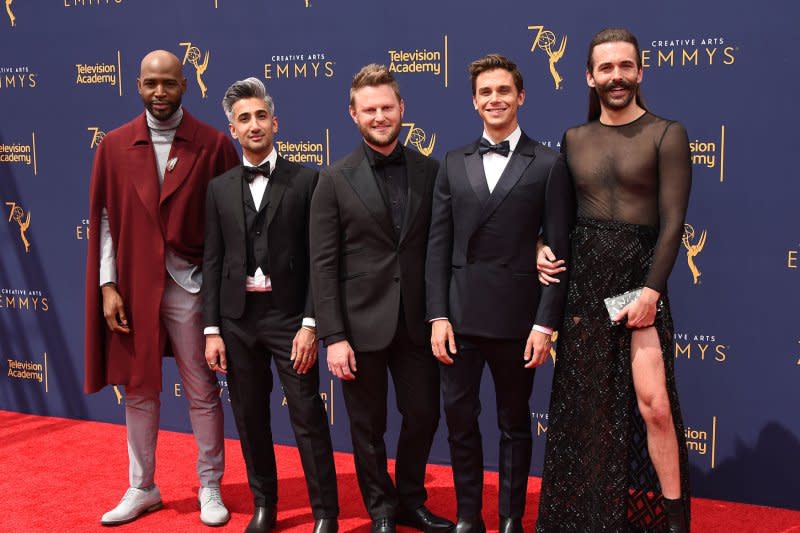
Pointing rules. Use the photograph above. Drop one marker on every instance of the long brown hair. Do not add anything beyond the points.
(611, 35)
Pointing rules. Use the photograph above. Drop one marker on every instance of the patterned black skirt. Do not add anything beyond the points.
(597, 472)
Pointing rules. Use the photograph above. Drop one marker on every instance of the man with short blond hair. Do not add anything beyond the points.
(369, 229)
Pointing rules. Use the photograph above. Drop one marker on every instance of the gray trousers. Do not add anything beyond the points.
(182, 316)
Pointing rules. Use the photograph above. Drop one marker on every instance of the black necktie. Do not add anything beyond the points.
(502, 148)
(395, 157)
(250, 173)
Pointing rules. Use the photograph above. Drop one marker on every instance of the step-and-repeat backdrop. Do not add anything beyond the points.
(727, 71)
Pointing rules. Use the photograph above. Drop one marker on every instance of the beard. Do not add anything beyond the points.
(382, 140)
(165, 113)
(604, 93)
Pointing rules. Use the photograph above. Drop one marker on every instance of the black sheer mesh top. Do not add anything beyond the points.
(637, 173)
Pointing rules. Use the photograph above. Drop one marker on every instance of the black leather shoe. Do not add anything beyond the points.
(263, 520)
(510, 525)
(470, 525)
(421, 518)
(326, 525)
(383, 525)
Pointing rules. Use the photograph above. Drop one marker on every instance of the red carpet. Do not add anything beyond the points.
(62, 475)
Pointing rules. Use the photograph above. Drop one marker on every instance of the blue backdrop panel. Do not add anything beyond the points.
(68, 75)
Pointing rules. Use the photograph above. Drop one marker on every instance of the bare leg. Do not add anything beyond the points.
(649, 381)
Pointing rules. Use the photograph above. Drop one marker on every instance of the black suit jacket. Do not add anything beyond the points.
(291, 187)
(361, 269)
(481, 264)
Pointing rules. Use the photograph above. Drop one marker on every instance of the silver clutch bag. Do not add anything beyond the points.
(614, 304)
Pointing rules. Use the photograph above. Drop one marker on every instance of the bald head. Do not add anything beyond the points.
(162, 61)
(161, 83)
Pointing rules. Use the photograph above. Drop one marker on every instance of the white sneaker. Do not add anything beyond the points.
(135, 503)
(212, 510)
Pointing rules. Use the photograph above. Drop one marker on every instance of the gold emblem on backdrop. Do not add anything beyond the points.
(545, 40)
(117, 395)
(10, 13)
(693, 249)
(16, 214)
(193, 55)
(97, 136)
(417, 137)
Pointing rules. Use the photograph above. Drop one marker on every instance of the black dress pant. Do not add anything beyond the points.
(415, 375)
(461, 392)
(264, 333)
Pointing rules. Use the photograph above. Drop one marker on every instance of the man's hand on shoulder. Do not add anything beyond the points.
(342, 360)
(114, 309)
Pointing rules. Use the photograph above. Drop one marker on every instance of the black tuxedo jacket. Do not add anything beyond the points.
(361, 268)
(481, 264)
(288, 202)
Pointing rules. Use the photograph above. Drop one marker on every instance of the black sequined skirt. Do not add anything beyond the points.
(597, 473)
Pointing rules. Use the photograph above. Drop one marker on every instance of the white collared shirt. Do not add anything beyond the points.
(493, 163)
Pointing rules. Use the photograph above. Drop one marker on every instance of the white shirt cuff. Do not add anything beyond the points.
(543, 329)
(211, 330)
(310, 322)
(432, 320)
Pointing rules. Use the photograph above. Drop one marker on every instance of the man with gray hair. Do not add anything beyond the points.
(258, 305)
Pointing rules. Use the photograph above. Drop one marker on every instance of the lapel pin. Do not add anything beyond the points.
(171, 163)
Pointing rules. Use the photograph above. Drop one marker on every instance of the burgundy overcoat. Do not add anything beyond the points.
(144, 218)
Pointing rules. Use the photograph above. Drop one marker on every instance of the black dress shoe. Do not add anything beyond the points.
(470, 525)
(421, 518)
(326, 525)
(510, 525)
(263, 520)
(383, 525)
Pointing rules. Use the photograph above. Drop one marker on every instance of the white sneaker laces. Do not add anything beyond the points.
(212, 494)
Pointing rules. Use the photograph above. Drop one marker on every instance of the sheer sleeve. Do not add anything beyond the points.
(675, 180)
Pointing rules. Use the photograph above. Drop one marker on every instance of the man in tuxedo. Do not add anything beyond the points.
(143, 279)
(492, 199)
(258, 305)
(369, 230)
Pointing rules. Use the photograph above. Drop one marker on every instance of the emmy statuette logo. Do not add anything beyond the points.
(118, 395)
(97, 136)
(693, 249)
(545, 40)
(16, 213)
(192, 55)
(10, 13)
(416, 137)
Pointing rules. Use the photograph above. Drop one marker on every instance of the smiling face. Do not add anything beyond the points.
(615, 75)
(254, 127)
(378, 113)
(497, 100)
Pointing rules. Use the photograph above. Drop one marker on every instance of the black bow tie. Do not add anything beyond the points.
(502, 148)
(250, 173)
(395, 157)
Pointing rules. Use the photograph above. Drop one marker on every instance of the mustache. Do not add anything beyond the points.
(621, 84)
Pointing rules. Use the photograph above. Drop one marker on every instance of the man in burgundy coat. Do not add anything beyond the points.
(143, 279)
